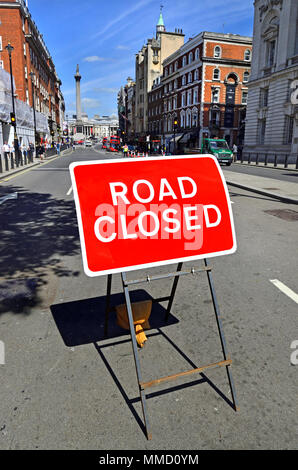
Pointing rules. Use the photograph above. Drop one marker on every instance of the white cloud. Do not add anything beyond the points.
(94, 58)
(123, 48)
(90, 103)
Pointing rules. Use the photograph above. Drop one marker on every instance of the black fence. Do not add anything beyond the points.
(268, 159)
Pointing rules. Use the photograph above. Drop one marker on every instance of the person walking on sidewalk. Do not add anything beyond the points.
(235, 150)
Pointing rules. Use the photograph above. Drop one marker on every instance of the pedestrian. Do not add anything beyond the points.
(125, 150)
(58, 148)
(73, 146)
(41, 152)
(235, 150)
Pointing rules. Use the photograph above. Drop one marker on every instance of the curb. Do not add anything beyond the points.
(264, 193)
(26, 167)
(253, 165)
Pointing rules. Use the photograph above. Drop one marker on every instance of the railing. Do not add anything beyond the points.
(268, 159)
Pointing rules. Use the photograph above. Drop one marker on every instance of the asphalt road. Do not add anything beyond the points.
(64, 387)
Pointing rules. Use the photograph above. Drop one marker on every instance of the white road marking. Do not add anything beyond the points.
(286, 290)
(8, 196)
(69, 191)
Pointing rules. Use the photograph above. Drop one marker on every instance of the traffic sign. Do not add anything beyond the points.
(152, 211)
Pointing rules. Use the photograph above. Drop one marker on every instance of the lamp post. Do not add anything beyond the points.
(9, 49)
(33, 106)
(175, 127)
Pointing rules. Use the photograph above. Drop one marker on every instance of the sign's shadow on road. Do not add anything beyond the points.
(82, 321)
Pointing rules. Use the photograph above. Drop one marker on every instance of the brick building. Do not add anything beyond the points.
(204, 86)
(30, 54)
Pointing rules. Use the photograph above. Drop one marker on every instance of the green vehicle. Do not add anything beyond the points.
(219, 148)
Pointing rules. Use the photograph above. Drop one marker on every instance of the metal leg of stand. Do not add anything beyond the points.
(135, 354)
(221, 335)
(173, 291)
(108, 303)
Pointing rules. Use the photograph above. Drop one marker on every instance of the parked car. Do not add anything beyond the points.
(88, 143)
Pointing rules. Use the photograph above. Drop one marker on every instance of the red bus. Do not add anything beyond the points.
(105, 143)
(114, 144)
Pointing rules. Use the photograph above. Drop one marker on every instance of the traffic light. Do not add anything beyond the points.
(52, 132)
(175, 123)
(13, 119)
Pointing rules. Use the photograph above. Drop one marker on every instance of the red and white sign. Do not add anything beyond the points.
(152, 211)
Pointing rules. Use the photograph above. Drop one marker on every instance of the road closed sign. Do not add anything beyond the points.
(145, 212)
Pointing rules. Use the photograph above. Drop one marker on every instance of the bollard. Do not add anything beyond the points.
(257, 159)
(1, 167)
(286, 161)
(297, 163)
(6, 161)
(248, 160)
(11, 162)
(275, 160)
(266, 159)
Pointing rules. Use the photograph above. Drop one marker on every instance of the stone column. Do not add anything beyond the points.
(78, 94)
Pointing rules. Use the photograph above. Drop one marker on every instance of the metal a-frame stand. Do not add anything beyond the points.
(144, 385)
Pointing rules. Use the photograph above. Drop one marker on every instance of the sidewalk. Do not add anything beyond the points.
(282, 190)
(36, 162)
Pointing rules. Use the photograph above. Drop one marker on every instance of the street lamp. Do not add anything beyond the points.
(33, 105)
(175, 125)
(9, 49)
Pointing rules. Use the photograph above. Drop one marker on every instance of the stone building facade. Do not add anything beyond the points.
(272, 111)
(149, 66)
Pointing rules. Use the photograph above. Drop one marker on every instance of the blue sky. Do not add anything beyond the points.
(103, 38)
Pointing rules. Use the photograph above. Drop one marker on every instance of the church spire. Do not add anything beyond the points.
(160, 27)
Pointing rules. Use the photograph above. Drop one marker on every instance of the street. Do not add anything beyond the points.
(65, 387)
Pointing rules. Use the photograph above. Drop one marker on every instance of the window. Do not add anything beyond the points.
(196, 76)
(0, 43)
(217, 51)
(271, 53)
(245, 77)
(184, 80)
(244, 97)
(188, 118)
(26, 73)
(247, 55)
(170, 105)
(166, 72)
(215, 95)
(195, 96)
(197, 54)
(288, 130)
(170, 86)
(190, 56)
(171, 69)
(1, 64)
(261, 131)
(176, 65)
(24, 49)
(184, 61)
(175, 102)
(216, 74)
(189, 93)
(166, 88)
(264, 92)
(189, 77)
(183, 102)
(175, 83)
(182, 119)
(194, 117)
